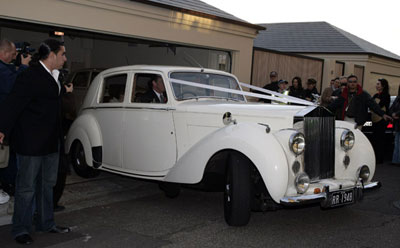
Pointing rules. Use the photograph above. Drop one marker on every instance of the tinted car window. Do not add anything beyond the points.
(113, 89)
(143, 87)
(81, 79)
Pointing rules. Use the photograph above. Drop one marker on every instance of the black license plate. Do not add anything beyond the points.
(343, 197)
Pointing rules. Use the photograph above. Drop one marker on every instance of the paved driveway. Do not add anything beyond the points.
(114, 211)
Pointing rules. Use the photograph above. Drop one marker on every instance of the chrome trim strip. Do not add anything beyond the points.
(129, 173)
(130, 107)
(373, 185)
(154, 108)
(289, 200)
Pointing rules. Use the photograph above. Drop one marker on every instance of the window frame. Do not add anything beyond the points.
(101, 90)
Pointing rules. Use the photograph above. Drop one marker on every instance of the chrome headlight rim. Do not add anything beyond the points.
(297, 143)
(347, 140)
(302, 182)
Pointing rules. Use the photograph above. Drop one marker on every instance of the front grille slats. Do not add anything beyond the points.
(319, 154)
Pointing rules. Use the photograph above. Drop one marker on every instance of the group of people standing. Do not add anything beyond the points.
(346, 99)
(309, 93)
(31, 121)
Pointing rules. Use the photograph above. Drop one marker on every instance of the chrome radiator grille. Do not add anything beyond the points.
(319, 154)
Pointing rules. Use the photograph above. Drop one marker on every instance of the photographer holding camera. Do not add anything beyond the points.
(8, 74)
(24, 51)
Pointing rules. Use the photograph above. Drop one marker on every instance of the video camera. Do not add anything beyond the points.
(23, 49)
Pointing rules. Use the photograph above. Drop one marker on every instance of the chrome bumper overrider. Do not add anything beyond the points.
(323, 196)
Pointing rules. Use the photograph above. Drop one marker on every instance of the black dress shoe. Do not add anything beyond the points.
(58, 208)
(60, 229)
(24, 239)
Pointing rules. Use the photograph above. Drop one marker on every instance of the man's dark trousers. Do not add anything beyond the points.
(36, 178)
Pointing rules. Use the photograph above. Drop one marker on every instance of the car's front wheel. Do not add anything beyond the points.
(78, 160)
(237, 192)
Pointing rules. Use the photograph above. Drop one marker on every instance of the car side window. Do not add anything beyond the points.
(113, 89)
(81, 79)
(148, 88)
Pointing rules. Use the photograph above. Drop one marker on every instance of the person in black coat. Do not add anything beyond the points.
(8, 74)
(32, 119)
(156, 91)
(296, 89)
(354, 104)
(382, 97)
(273, 85)
(394, 111)
(311, 90)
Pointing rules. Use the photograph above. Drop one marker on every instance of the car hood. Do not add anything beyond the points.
(211, 112)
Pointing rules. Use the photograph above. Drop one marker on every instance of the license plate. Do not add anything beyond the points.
(339, 198)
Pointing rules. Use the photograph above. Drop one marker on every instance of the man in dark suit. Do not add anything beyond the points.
(32, 119)
(273, 85)
(156, 92)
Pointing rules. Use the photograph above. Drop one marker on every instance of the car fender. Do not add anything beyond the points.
(85, 129)
(250, 139)
(361, 154)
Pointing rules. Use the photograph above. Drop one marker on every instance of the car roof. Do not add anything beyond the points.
(89, 69)
(165, 69)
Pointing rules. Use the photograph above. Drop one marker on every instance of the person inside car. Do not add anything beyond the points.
(156, 92)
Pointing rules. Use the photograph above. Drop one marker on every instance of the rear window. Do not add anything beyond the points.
(113, 90)
(81, 79)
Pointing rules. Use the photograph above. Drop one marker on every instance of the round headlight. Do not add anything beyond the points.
(297, 143)
(347, 140)
(364, 173)
(302, 182)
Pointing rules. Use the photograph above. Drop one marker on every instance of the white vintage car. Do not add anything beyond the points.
(206, 133)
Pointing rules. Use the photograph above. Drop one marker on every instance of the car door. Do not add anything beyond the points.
(109, 112)
(149, 135)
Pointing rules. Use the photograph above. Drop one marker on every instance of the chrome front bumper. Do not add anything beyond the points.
(323, 196)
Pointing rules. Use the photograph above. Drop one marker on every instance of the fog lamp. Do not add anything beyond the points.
(364, 173)
(302, 182)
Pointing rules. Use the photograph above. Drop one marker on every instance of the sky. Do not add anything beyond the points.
(377, 22)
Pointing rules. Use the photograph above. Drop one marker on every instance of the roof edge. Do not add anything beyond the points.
(201, 14)
(298, 55)
(358, 53)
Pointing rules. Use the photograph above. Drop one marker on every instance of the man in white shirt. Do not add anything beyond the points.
(33, 124)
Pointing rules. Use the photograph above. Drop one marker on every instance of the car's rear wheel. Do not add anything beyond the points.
(237, 192)
(78, 160)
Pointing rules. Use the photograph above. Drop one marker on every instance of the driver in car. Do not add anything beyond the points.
(156, 92)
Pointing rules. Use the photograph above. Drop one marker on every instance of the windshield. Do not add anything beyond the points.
(183, 92)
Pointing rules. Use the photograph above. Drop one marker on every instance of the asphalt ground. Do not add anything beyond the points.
(115, 211)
